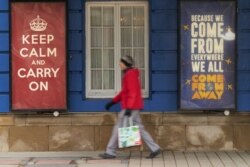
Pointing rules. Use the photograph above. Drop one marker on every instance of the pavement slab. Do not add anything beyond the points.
(132, 159)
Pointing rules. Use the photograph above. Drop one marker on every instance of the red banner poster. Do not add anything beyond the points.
(38, 47)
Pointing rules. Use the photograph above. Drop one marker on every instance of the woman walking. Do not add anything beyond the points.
(131, 103)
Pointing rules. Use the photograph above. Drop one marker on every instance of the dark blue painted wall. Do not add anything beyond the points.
(163, 58)
(4, 56)
(243, 70)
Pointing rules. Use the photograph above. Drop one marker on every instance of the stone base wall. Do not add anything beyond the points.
(91, 131)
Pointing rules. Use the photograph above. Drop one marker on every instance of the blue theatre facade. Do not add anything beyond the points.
(163, 58)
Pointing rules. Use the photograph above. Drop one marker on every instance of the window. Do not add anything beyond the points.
(114, 29)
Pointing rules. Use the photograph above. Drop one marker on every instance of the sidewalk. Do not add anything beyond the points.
(132, 159)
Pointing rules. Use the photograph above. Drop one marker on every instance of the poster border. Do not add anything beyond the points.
(28, 110)
(180, 107)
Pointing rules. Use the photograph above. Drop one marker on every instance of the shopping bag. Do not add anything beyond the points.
(129, 136)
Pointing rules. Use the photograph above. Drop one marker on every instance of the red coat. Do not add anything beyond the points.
(130, 95)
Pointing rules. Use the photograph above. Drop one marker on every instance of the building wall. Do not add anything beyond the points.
(163, 58)
(91, 131)
(243, 69)
(4, 56)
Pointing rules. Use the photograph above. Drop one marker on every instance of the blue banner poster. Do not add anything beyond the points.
(207, 36)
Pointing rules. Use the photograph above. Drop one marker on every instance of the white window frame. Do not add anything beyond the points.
(117, 51)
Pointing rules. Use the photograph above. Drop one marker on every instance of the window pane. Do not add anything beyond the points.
(126, 52)
(108, 16)
(96, 79)
(126, 37)
(126, 16)
(96, 16)
(96, 58)
(139, 58)
(134, 32)
(108, 58)
(108, 37)
(138, 38)
(138, 16)
(108, 79)
(96, 37)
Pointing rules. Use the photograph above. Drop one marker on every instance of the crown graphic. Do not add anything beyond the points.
(38, 24)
